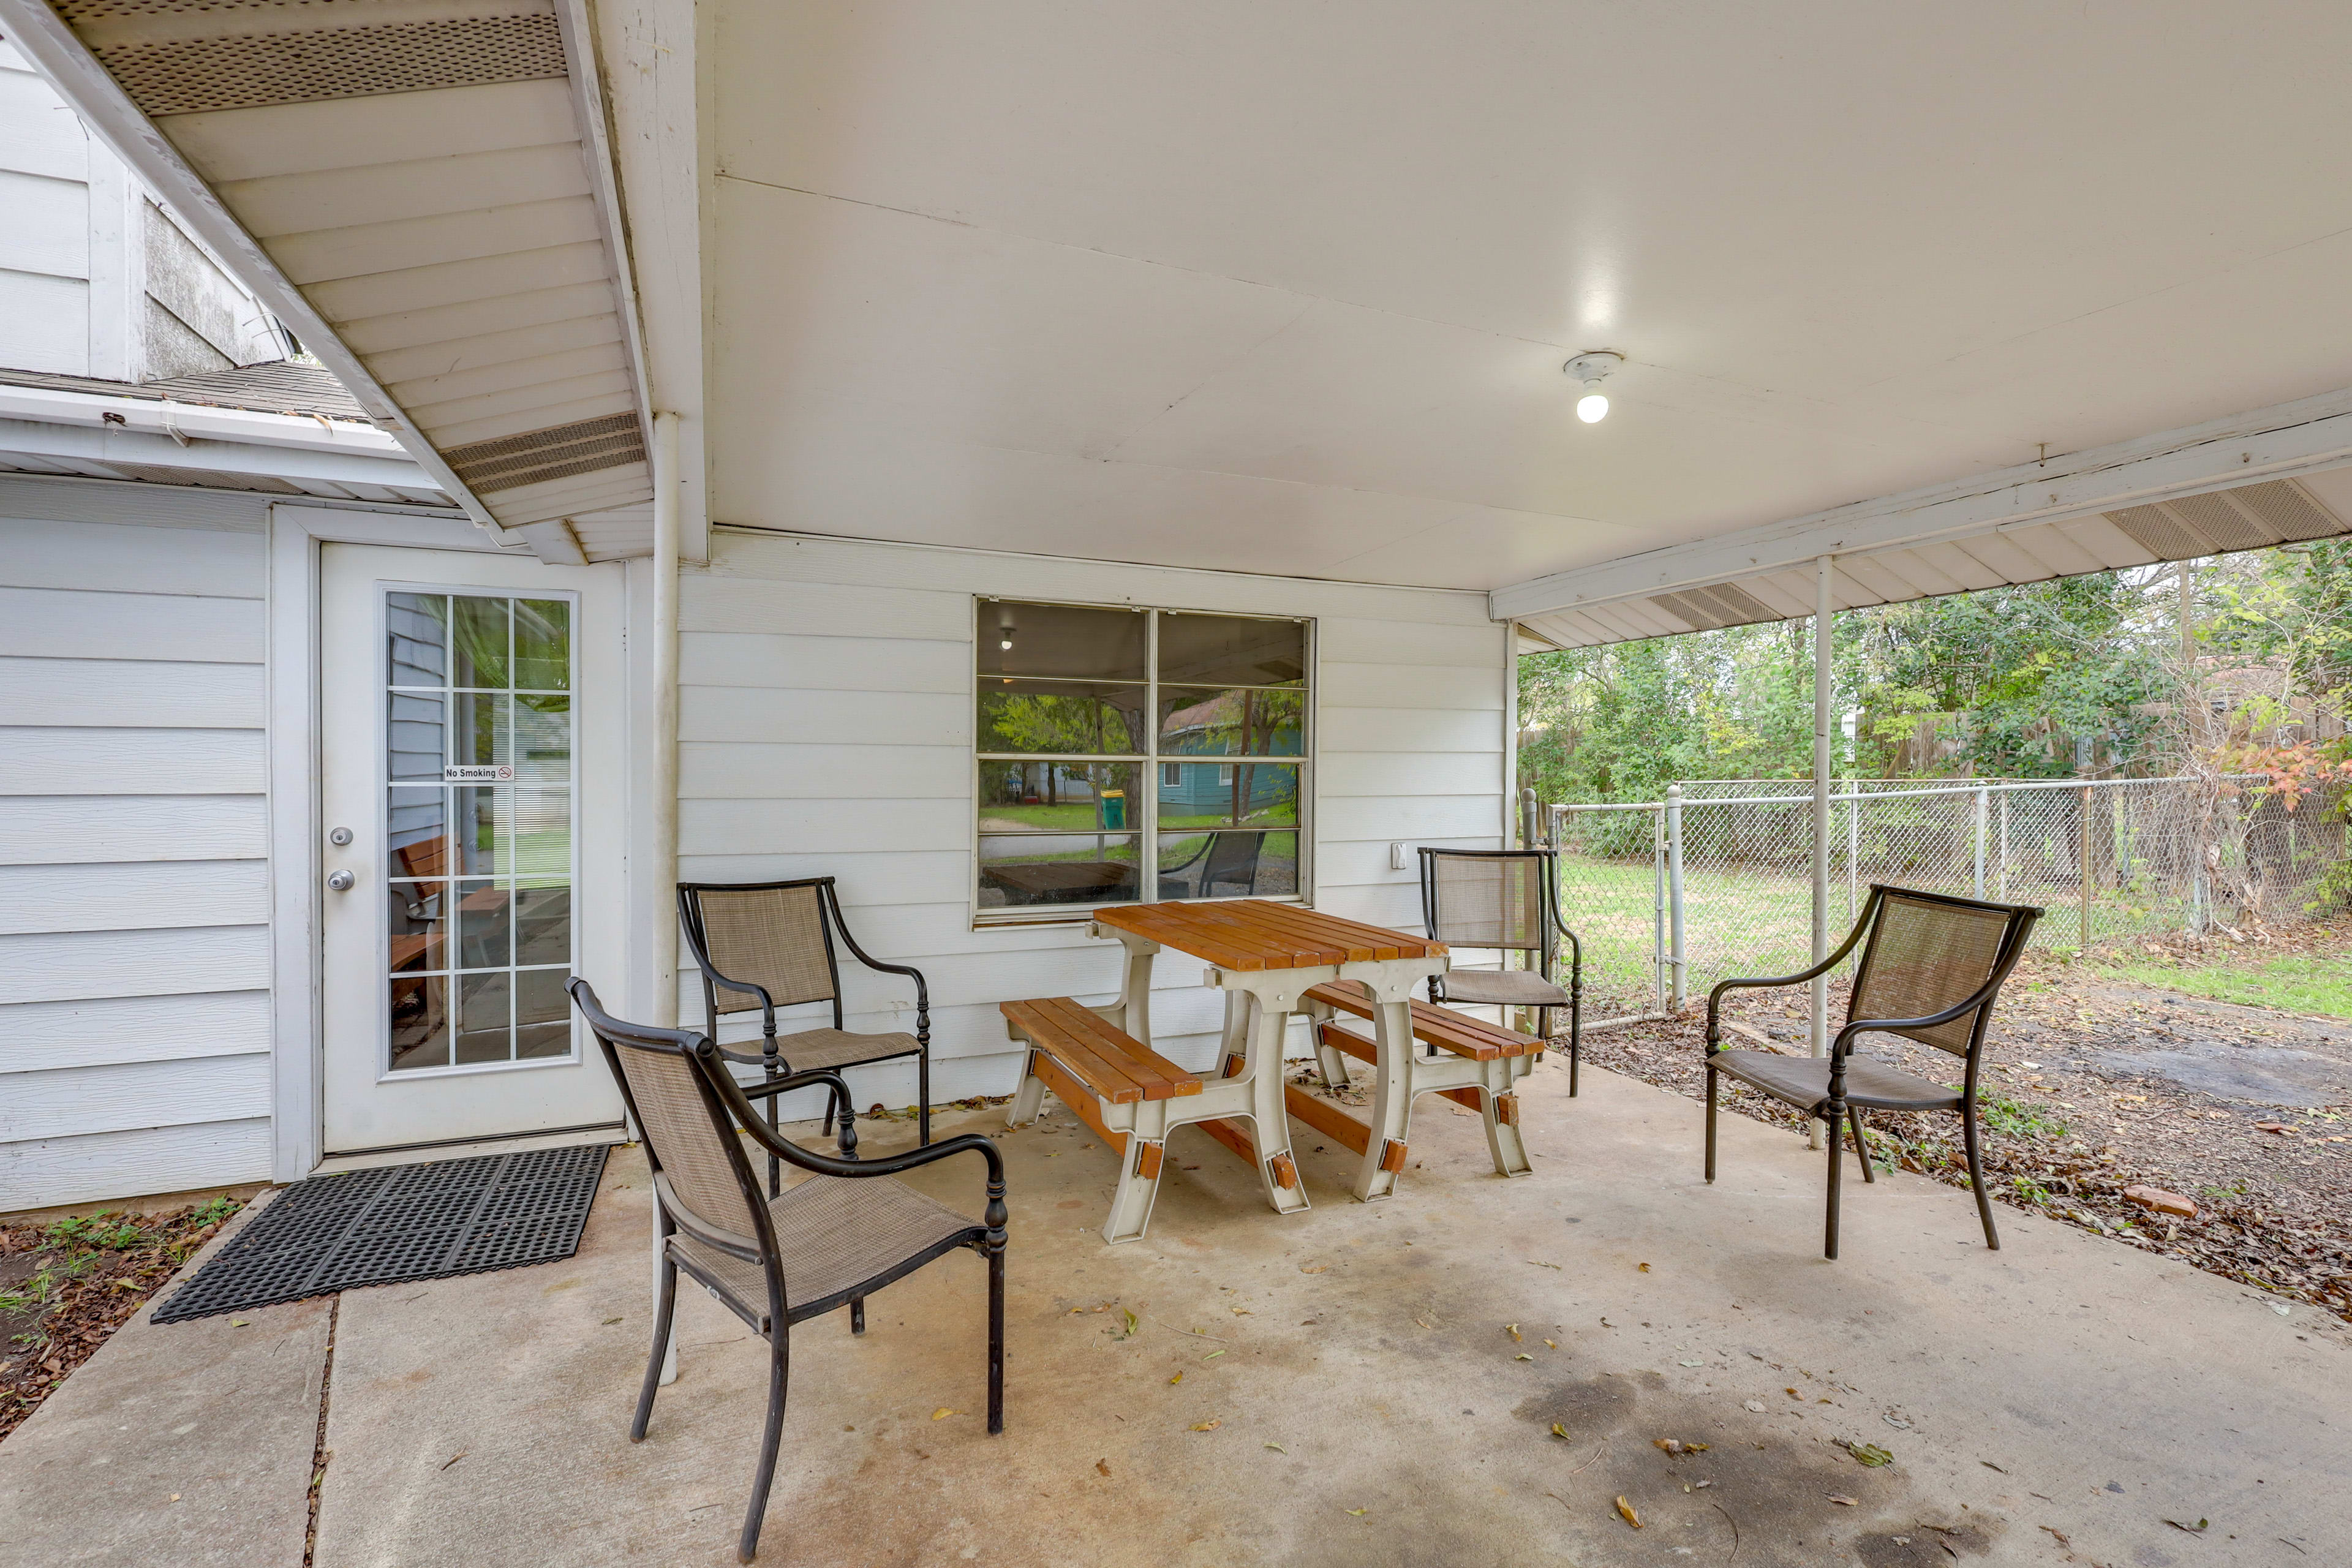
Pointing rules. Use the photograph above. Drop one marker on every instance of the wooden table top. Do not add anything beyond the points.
(1255, 934)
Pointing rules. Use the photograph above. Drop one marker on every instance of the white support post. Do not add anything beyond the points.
(663, 880)
(1678, 957)
(1822, 610)
(1658, 908)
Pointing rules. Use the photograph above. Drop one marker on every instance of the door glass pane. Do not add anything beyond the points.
(479, 825)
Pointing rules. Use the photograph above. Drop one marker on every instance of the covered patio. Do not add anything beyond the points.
(1339, 1386)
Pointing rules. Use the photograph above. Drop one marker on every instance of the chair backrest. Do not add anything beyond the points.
(690, 1139)
(1487, 898)
(1233, 858)
(772, 934)
(1928, 952)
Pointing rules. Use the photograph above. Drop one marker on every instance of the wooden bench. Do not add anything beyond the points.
(1114, 1083)
(1491, 1058)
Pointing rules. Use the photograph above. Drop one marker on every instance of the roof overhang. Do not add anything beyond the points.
(420, 189)
(2271, 476)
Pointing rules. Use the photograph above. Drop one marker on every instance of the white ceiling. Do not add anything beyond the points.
(1287, 287)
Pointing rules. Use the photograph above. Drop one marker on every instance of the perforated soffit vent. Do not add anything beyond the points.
(2250, 517)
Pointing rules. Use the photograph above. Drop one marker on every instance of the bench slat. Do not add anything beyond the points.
(1077, 1057)
(1466, 1036)
(1160, 1077)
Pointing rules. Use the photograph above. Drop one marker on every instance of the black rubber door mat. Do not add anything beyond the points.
(400, 1222)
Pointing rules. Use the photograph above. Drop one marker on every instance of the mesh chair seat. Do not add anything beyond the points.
(832, 1235)
(1804, 1081)
(823, 1051)
(1502, 988)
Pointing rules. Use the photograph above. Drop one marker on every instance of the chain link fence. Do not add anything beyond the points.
(1715, 880)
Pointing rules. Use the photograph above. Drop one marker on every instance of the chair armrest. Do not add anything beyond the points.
(845, 1111)
(767, 1003)
(891, 1165)
(1714, 998)
(922, 990)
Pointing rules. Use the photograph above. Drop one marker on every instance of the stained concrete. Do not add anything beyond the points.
(2066, 1386)
(188, 1444)
(1366, 1365)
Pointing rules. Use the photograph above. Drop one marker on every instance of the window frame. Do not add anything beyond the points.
(1149, 764)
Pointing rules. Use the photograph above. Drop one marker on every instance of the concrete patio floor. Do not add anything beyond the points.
(2064, 1397)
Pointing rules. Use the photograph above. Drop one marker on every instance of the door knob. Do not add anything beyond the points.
(341, 882)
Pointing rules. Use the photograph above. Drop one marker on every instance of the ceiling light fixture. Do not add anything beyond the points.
(1592, 368)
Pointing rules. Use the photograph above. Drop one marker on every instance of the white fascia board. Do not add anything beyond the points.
(2273, 443)
(114, 443)
(99, 411)
(78, 77)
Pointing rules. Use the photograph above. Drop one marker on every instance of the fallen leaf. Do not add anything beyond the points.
(1674, 1445)
(1130, 1324)
(1523, 1356)
(1102, 1467)
(1625, 1510)
(1870, 1455)
(1210, 1357)
(1793, 1393)
(1540, 1264)
(2196, 1528)
(1841, 1501)
(1756, 1406)
(1178, 1378)
(1989, 1465)
(1557, 1430)
(1645, 1269)
(1211, 1424)
(1314, 1268)
(1512, 1330)
(1553, 1343)
(1240, 1311)
(942, 1413)
(1359, 1512)
(1277, 1447)
(1697, 1363)
(454, 1458)
(238, 1323)
(175, 1497)
(610, 1321)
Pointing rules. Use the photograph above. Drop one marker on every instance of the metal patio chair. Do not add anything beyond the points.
(1931, 968)
(835, 1237)
(1509, 900)
(769, 945)
(1227, 859)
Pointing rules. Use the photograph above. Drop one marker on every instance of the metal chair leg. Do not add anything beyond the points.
(771, 1066)
(996, 1340)
(1835, 1114)
(1860, 1148)
(1976, 1177)
(858, 1314)
(923, 1097)
(664, 1307)
(770, 1439)
(1711, 1076)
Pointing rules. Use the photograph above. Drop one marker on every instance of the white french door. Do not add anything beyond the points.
(470, 767)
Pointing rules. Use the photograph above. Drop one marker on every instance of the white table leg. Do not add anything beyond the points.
(1269, 1024)
(1392, 1097)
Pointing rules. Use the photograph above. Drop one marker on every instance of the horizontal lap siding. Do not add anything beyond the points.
(825, 730)
(134, 952)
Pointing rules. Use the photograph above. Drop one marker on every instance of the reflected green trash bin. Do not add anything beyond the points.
(1110, 809)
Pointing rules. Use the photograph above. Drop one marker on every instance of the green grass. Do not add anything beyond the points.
(2321, 985)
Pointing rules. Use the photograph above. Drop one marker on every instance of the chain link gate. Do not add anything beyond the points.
(1715, 880)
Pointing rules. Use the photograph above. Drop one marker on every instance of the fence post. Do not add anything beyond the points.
(1982, 801)
(1658, 908)
(1852, 849)
(2000, 862)
(2082, 868)
(1679, 958)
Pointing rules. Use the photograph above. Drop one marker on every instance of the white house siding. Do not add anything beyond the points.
(134, 957)
(826, 729)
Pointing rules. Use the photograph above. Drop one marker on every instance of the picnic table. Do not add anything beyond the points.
(1267, 958)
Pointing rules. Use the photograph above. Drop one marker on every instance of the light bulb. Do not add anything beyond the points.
(1006, 645)
(1592, 407)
